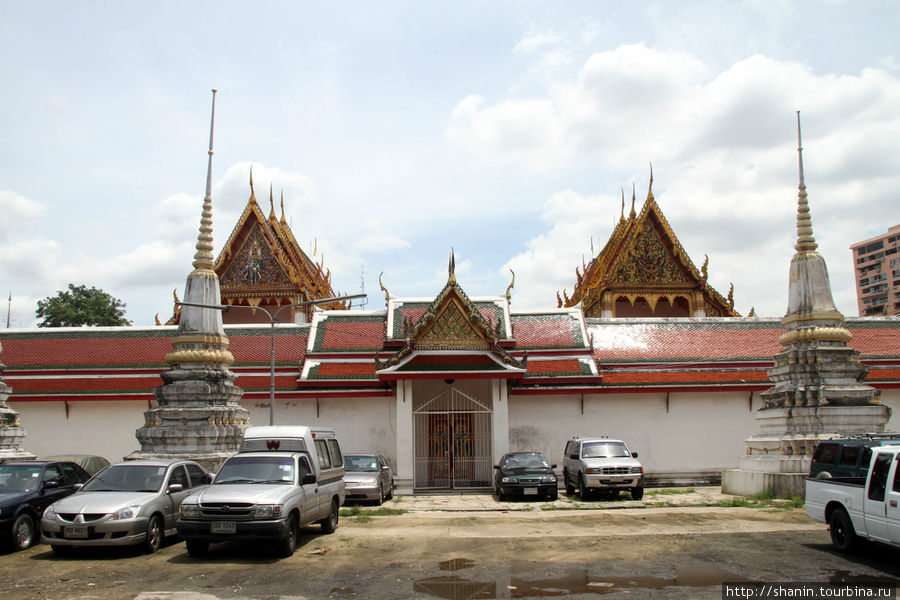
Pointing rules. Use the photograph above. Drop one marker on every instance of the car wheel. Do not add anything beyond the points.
(637, 493)
(570, 489)
(390, 493)
(288, 544)
(553, 496)
(583, 488)
(380, 500)
(498, 491)
(23, 533)
(843, 536)
(196, 548)
(154, 537)
(330, 523)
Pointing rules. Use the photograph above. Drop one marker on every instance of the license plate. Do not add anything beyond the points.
(75, 532)
(530, 491)
(222, 527)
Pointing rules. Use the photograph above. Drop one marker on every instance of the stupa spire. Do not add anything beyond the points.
(252, 193)
(650, 188)
(805, 240)
(203, 259)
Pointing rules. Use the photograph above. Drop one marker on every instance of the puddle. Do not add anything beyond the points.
(575, 581)
(455, 564)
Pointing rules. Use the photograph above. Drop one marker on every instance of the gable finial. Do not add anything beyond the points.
(650, 189)
(805, 240)
(452, 267)
(622, 214)
(203, 259)
(252, 193)
(387, 295)
(511, 285)
(283, 220)
(632, 214)
(271, 204)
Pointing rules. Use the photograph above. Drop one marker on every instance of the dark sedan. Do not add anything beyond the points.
(525, 475)
(26, 489)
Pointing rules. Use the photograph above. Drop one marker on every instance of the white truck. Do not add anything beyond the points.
(857, 507)
(283, 478)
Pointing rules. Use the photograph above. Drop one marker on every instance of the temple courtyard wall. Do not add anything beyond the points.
(687, 437)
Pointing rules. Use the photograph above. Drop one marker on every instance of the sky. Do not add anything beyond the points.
(397, 131)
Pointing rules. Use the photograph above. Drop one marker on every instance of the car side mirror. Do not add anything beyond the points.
(175, 487)
(308, 478)
(78, 486)
(52, 484)
(552, 467)
(634, 455)
(385, 467)
(496, 466)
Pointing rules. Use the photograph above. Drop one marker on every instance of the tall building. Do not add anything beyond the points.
(877, 269)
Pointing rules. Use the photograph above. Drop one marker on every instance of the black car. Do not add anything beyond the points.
(26, 489)
(525, 475)
(848, 457)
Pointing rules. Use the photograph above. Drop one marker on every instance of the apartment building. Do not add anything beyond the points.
(877, 268)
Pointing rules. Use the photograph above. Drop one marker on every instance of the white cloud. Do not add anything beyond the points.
(725, 160)
(18, 213)
(375, 237)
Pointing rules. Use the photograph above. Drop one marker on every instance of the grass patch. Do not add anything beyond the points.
(670, 491)
(764, 499)
(359, 512)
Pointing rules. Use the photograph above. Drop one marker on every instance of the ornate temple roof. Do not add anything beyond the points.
(262, 261)
(643, 259)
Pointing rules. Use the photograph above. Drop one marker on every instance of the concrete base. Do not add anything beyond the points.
(10, 455)
(748, 483)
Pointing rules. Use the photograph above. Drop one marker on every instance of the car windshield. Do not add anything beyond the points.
(256, 469)
(526, 461)
(360, 464)
(127, 478)
(19, 478)
(605, 450)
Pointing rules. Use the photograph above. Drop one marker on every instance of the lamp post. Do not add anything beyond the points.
(272, 320)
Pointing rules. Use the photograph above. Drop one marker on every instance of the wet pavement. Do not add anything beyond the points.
(478, 502)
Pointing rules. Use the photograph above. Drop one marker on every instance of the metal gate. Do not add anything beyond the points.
(453, 442)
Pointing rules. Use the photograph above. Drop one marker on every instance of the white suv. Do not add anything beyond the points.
(601, 465)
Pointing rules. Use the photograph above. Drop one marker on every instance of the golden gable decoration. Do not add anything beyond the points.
(643, 271)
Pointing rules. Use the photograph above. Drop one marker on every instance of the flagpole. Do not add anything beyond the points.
(8, 310)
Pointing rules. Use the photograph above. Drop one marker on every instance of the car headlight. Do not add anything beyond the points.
(508, 480)
(48, 512)
(268, 511)
(128, 512)
(190, 511)
(637, 469)
(550, 478)
(593, 471)
(368, 482)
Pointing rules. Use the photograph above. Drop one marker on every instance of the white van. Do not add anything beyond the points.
(283, 478)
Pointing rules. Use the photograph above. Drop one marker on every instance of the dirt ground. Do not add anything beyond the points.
(680, 552)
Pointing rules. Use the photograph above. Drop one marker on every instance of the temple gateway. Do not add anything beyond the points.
(642, 349)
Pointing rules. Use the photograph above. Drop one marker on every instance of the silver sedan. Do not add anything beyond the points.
(129, 503)
(368, 477)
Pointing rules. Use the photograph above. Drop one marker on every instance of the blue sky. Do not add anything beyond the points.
(398, 130)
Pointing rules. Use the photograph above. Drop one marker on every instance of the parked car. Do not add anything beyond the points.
(601, 465)
(129, 503)
(285, 477)
(368, 477)
(855, 508)
(90, 463)
(847, 456)
(26, 490)
(525, 474)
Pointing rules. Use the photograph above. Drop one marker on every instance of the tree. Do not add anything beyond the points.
(81, 306)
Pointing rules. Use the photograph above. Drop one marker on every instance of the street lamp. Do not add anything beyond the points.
(273, 320)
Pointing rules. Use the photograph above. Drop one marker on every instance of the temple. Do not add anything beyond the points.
(643, 271)
(444, 384)
(261, 266)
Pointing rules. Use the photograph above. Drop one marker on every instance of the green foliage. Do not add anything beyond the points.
(80, 306)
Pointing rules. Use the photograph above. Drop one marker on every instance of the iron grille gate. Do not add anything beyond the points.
(453, 442)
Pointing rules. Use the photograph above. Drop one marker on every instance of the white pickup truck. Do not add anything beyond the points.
(284, 478)
(856, 508)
